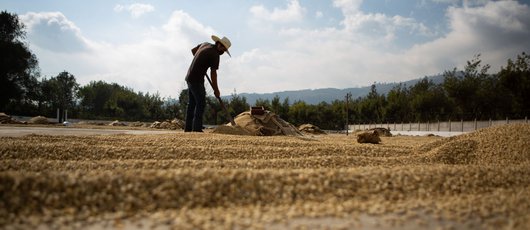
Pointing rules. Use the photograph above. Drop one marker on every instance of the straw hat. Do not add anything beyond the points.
(226, 43)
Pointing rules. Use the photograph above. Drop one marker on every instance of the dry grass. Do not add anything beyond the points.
(477, 180)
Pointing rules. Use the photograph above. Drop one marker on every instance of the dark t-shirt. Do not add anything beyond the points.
(205, 57)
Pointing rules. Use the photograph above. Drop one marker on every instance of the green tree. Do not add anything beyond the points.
(213, 113)
(182, 104)
(171, 108)
(61, 92)
(153, 103)
(354, 111)
(125, 103)
(276, 104)
(298, 113)
(102, 100)
(398, 108)
(515, 79)
(32, 101)
(428, 100)
(466, 89)
(238, 104)
(328, 116)
(371, 107)
(263, 102)
(94, 97)
(18, 66)
(495, 100)
(284, 109)
(280, 108)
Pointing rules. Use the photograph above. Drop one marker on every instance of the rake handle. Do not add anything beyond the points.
(222, 104)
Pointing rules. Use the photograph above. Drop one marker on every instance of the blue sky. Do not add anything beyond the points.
(277, 45)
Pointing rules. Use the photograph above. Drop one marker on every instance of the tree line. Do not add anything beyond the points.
(466, 94)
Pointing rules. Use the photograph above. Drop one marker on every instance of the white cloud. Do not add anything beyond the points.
(344, 56)
(498, 30)
(353, 55)
(136, 10)
(348, 6)
(293, 12)
(465, 3)
(182, 27)
(157, 63)
(378, 26)
(53, 31)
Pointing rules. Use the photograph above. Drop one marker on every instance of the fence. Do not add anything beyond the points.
(438, 126)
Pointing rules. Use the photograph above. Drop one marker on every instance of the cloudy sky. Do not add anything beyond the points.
(277, 45)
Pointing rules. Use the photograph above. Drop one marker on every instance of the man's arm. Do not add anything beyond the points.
(213, 73)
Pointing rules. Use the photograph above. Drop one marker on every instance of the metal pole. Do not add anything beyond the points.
(475, 123)
(449, 125)
(462, 125)
(348, 95)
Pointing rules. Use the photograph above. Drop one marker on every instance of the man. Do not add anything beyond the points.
(206, 55)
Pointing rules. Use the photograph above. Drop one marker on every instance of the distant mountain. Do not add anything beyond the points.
(315, 96)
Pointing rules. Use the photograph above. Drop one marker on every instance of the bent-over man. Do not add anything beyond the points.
(206, 55)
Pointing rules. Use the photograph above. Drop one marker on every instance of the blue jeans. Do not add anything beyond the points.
(196, 104)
